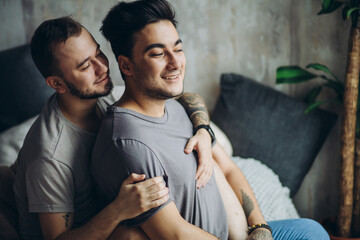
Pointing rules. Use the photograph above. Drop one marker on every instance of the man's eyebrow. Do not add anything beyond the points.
(154, 45)
(178, 42)
(160, 45)
(86, 59)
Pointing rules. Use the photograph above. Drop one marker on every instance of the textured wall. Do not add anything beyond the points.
(251, 37)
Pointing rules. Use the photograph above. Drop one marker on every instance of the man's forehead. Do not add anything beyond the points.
(162, 32)
(76, 45)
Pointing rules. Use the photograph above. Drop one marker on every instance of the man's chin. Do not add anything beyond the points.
(107, 90)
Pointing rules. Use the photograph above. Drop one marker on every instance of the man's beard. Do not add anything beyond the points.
(90, 95)
(160, 94)
(154, 91)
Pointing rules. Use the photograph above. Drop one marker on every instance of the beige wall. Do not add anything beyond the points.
(251, 37)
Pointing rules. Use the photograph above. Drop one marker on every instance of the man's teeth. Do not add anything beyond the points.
(169, 78)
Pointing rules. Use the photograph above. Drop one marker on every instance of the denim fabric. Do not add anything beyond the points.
(296, 229)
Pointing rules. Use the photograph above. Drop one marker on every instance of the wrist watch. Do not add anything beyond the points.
(208, 129)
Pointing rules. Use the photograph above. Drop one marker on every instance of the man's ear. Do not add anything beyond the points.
(125, 65)
(56, 83)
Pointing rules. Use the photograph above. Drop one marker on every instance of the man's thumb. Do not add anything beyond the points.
(190, 146)
(134, 177)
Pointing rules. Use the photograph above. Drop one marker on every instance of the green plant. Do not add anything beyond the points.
(296, 75)
(348, 218)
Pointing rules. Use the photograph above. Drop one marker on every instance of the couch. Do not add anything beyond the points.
(264, 131)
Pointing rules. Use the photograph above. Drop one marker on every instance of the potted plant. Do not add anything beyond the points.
(348, 218)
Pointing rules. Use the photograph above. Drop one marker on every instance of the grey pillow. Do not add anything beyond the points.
(23, 90)
(267, 125)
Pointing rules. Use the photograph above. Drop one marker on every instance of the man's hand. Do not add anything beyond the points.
(201, 143)
(260, 234)
(137, 197)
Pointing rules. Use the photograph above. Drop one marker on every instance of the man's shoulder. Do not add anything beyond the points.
(49, 134)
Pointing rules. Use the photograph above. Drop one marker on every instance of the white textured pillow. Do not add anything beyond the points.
(273, 198)
(12, 140)
(222, 139)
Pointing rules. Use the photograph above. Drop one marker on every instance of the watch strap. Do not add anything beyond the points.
(208, 129)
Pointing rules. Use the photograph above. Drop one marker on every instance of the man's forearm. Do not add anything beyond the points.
(246, 196)
(240, 186)
(167, 224)
(99, 227)
(195, 108)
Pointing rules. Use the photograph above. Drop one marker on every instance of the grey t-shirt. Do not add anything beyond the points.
(129, 142)
(53, 172)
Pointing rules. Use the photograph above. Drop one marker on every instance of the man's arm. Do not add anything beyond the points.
(133, 199)
(243, 191)
(167, 224)
(195, 108)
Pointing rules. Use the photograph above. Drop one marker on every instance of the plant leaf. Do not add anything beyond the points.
(292, 74)
(315, 105)
(318, 66)
(328, 6)
(351, 10)
(313, 94)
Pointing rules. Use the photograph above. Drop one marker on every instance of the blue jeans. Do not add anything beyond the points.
(296, 229)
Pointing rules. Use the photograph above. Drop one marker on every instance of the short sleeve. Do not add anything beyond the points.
(123, 158)
(49, 186)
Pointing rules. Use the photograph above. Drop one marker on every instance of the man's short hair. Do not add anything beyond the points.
(126, 18)
(46, 37)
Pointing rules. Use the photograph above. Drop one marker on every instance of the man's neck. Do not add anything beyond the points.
(142, 104)
(81, 112)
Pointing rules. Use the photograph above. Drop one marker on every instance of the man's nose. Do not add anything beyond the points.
(101, 66)
(173, 61)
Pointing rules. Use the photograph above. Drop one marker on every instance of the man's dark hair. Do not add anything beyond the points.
(126, 18)
(45, 39)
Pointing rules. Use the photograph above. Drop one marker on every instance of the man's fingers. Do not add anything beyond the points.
(203, 179)
(199, 170)
(190, 146)
(152, 181)
(205, 174)
(155, 187)
(160, 194)
(133, 178)
(159, 201)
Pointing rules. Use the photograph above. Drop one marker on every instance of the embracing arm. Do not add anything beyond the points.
(195, 108)
(133, 199)
(243, 191)
(167, 224)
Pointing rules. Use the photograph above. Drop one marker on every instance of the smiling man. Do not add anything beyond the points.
(146, 130)
(53, 185)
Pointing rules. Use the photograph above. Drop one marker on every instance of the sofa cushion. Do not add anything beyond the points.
(23, 90)
(267, 125)
(8, 211)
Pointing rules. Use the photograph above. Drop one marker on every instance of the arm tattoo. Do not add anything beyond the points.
(195, 108)
(248, 205)
(67, 218)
